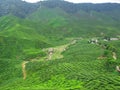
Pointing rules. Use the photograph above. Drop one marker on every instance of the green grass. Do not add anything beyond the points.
(81, 65)
(79, 69)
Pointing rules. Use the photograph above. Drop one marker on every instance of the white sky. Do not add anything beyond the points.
(81, 1)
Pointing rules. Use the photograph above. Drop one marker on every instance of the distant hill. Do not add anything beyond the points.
(51, 20)
(22, 8)
(58, 45)
(16, 7)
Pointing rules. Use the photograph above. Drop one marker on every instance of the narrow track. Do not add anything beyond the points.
(52, 54)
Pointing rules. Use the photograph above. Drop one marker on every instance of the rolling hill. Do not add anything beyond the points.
(58, 45)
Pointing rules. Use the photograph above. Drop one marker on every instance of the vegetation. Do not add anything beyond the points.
(27, 36)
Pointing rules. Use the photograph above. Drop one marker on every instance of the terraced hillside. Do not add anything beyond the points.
(57, 45)
(79, 69)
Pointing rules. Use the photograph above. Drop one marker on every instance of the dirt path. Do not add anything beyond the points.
(114, 55)
(118, 68)
(52, 54)
(24, 69)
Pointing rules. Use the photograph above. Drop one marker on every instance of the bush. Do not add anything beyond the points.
(110, 64)
(33, 53)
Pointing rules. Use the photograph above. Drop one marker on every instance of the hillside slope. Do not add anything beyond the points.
(58, 45)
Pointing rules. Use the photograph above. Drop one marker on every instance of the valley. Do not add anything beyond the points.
(53, 53)
(59, 45)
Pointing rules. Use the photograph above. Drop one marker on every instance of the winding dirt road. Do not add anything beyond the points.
(114, 55)
(24, 69)
(53, 53)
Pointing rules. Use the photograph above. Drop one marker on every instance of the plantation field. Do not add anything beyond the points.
(79, 69)
(59, 45)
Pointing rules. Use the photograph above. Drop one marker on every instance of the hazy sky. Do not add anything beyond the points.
(82, 1)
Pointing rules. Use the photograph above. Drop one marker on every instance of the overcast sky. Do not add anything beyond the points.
(82, 1)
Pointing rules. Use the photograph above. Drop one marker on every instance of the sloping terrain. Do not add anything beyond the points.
(59, 45)
(79, 69)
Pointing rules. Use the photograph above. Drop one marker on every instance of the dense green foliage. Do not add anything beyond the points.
(28, 31)
(79, 69)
